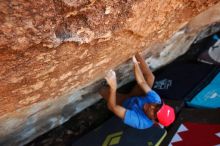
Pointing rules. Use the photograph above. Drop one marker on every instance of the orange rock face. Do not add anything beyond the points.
(51, 49)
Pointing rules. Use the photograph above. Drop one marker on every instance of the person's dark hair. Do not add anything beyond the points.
(152, 110)
(158, 106)
(156, 119)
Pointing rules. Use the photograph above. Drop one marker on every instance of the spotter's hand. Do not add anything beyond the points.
(111, 79)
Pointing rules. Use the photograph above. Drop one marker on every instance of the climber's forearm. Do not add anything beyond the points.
(116, 109)
(147, 73)
(140, 79)
(112, 98)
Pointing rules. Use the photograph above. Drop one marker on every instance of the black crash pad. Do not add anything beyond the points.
(182, 80)
(115, 133)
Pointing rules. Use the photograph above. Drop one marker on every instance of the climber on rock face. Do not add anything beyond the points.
(142, 107)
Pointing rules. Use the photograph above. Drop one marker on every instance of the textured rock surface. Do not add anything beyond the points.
(51, 50)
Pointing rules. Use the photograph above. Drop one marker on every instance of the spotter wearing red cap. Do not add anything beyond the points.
(166, 115)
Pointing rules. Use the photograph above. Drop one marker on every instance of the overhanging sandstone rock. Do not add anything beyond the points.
(54, 53)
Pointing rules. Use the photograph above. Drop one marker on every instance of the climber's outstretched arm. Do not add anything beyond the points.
(147, 73)
(112, 105)
(139, 76)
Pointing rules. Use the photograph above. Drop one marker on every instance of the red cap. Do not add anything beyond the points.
(166, 115)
